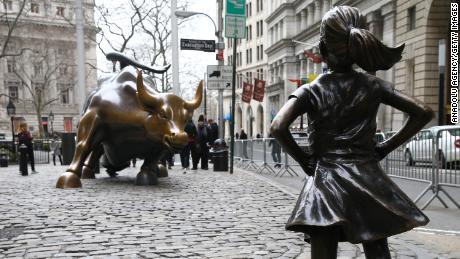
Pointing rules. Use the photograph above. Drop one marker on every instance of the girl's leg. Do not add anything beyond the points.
(324, 243)
(377, 249)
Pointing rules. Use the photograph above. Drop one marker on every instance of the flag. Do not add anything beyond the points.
(312, 56)
(299, 82)
(259, 90)
(247, 92)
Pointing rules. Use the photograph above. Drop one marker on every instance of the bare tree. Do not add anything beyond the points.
(39, 74)
(10, 18)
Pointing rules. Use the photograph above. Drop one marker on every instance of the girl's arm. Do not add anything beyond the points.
(419, 116)
(280, 130)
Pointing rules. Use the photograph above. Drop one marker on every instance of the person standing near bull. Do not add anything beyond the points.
(190, 129)
(201, 150)
(56, 149)
(24, 137)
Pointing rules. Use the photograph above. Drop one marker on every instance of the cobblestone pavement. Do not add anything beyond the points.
(201, 214)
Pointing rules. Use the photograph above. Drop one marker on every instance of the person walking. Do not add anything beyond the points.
(350, 198)
(276, 151)
(201, 150)
(24, 137)
(244, 138)
(56, 149)
(190, 129)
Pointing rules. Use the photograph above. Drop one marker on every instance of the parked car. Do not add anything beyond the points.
(420, 148)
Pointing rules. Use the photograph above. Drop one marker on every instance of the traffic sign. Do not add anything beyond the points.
(202, 45)
(235, 19)
(235, 7)
(235, 26)
(219, 77)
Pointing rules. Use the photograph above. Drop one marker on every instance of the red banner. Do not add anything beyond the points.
(312, 56)
(247, 92)
(259, 90)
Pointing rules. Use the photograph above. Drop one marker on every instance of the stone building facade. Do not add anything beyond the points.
(46, 31)
(292, 28)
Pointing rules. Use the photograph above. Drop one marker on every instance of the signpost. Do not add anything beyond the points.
(235, 27)
(202, 45)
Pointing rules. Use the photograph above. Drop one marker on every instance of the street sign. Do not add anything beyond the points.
(219, 77)
(235, 26)
(235, 7)
(202, 45)
(235, 19)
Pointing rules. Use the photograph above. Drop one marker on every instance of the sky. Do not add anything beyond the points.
(192, 64)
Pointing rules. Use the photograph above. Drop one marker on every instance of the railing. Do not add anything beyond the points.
(434, 161)
(41, 151)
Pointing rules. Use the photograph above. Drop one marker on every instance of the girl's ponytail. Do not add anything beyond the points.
(370, 53)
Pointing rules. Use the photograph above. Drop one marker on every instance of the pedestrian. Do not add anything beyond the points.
(276, 151)
(237, 136)
(24, 137)
(56, 148)
(201, 150)
(350, 198)
(190, 129)
(213, 130)
(244, 138)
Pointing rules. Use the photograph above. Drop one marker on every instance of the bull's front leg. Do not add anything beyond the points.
(147, 175)
(91, 164)
(86, 136)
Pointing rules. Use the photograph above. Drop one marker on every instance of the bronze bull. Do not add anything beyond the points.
(125, 119)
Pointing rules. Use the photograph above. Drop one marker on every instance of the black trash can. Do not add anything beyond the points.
(219, 154)
(68, 147)
(3, 160)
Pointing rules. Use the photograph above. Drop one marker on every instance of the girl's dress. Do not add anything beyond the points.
(349, 190)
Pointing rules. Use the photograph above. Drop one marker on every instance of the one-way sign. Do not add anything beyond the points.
(203, 45)
(219, 77)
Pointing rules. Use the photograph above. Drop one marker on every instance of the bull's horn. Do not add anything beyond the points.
(145, 97)
(196, 102)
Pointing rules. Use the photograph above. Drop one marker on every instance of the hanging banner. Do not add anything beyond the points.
(247, 92)
(315, 58)
(259, 90)
(299, 82)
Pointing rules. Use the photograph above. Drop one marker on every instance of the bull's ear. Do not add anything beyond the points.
(196, 102)
(144, 97)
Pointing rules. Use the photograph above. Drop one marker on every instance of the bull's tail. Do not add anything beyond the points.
(125, 61)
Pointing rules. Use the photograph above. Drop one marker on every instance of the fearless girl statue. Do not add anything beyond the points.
(349, 198)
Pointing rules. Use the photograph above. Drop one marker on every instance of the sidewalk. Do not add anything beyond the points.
(200, 214)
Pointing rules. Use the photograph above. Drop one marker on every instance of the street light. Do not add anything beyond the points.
(187, 14)
(51, 117)
(11, 111)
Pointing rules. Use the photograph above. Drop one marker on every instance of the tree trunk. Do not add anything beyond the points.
(41, 130)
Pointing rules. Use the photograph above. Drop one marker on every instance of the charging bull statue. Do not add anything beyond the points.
(125, 119)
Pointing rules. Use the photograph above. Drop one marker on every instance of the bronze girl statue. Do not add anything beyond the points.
(349, 198)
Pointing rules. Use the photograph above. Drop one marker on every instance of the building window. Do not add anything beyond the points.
(250, 9)
(411, 18)
(68, 124)
(247, 10)
(60, 11)
(13, 93)
(65, 96)
(250, 32)
(11, 66)
(38, 68)
(250, 55)
(34, 8)
(261, 52)
(261, 24)
(8, 5)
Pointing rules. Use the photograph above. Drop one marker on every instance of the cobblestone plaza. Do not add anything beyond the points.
(200, 214)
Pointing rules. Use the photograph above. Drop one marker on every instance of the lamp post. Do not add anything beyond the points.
(51, 117)
(220, 44)
(11, 111)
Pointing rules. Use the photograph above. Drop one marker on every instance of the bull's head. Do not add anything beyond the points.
(168, 114)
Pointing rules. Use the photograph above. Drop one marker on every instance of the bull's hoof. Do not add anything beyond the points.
(145, 177)
(68, 180)
(87, 173)
(162, 171)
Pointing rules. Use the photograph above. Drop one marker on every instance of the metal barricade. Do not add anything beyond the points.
(42, 149)
(265, 165)
(430, 157)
